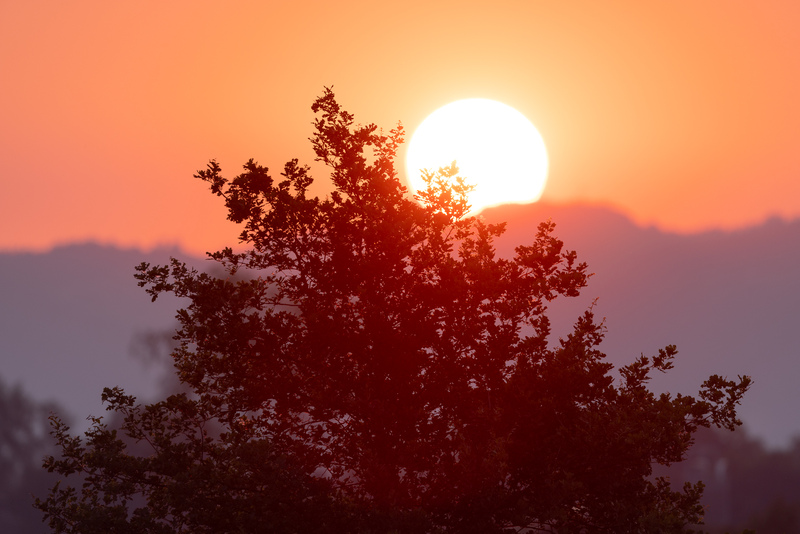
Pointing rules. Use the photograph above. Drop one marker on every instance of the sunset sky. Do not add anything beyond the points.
(684, 115)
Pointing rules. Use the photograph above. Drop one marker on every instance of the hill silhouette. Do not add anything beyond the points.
(726, 299)
(68, 319)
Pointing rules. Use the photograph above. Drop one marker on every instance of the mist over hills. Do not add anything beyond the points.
(68, 319)
(728, 300)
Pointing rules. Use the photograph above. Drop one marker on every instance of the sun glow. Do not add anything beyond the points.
(496, 148)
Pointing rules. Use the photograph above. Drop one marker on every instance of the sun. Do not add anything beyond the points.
(497, 149)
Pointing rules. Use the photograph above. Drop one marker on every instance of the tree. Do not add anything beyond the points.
(23, 442)
(379, 369)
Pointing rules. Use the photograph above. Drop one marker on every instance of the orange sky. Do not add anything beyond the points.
(682, 114)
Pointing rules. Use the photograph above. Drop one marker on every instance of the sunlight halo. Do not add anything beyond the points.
(496, 148)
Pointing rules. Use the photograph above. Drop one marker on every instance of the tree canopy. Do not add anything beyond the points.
(369, 364)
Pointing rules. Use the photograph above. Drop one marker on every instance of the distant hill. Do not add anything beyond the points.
(728, 300)
(68, 319)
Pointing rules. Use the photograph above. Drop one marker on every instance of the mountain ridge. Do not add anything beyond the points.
(725, 298)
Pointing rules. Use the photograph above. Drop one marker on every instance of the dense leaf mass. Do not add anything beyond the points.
(370, 365)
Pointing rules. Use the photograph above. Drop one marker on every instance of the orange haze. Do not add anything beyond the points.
(682, 114)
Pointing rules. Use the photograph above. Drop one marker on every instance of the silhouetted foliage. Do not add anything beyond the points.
(381, 370)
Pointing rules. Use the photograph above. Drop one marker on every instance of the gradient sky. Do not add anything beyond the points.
(684, 114)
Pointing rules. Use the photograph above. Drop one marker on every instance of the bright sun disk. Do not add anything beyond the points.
(497, 149)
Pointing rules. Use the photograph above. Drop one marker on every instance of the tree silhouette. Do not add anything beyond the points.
(23, 443)
(381, 370)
